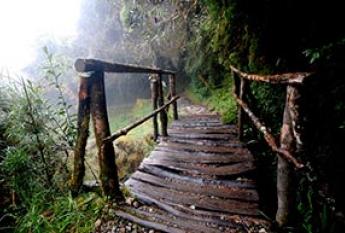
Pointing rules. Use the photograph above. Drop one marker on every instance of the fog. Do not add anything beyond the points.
(101, 29)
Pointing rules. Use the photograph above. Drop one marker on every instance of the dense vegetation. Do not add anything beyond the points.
(200, 39)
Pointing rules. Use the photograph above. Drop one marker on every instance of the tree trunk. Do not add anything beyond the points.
(83, 133)
(154, 98)
(106, 153)
(163, 114)
(172, 85)
(284, 170)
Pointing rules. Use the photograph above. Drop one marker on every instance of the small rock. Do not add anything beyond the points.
(135, 204)
(128, 228)
(222, 217)
(192, 207)
(129, 200)
(262, 230)
(221, 228)
(122, 230)
(151, 231)
(98, 223)
(150, 210)
(130, 224)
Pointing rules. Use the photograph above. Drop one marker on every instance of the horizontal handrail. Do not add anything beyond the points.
(285, 78)
(89, 65)
(125, 130)
(267, 135)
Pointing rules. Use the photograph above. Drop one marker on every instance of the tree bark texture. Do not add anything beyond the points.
(163, 115)
(240, 112)
(82, 135)
(154, 98)
(285, 193)
(286, 78)
(87, 65)
(106, 153)
(172, 85)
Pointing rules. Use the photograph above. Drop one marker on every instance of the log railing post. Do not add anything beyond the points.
(172, 85)
(82, 135)
(154, 98)
(240, 116)
(106, 153)
(239, 89)
(290, 140)
(163, 114)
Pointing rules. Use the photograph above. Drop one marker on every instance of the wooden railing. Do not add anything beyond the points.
(290, 136)
(92, 101)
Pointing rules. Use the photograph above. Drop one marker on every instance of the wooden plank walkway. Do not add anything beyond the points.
(199, 179)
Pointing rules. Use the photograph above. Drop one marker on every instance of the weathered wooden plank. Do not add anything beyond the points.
(185, 224)
(160, 172)
(197, 168)
(214, 137)
(193, 199)
(184, 124)
(192, 124)
(210, 190)
(201, 131)
(202, 148)
(142, 220)
(213, 217)
(227, 143)
(200, 157)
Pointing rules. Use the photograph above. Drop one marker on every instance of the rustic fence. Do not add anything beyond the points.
(290, 136)
(92, 102)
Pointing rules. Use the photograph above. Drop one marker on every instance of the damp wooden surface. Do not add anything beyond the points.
(198, 179)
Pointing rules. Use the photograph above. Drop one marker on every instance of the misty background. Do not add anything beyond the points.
(146, 34)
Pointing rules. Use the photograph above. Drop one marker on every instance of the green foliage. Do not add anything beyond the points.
(218, 99)
(37, 139)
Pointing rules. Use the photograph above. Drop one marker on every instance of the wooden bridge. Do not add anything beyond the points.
(200, 177)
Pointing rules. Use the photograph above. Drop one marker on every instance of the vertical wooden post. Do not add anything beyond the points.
(154, 98)
(163, 114)
(82, 135)
(240, 116)
(172, 85)
(239, 90)
(106, 153)
(285, 194)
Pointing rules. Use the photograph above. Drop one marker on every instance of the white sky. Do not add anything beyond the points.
(23, 22)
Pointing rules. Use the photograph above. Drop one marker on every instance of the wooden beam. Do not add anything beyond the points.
(82, 135)
(88, 65)
(154, 98)
(163, 114)
(285, 78)
(125, 131)
(268, 136)
(106, 154)
(172, 85)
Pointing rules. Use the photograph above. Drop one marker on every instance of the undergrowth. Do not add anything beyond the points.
(218, 99)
